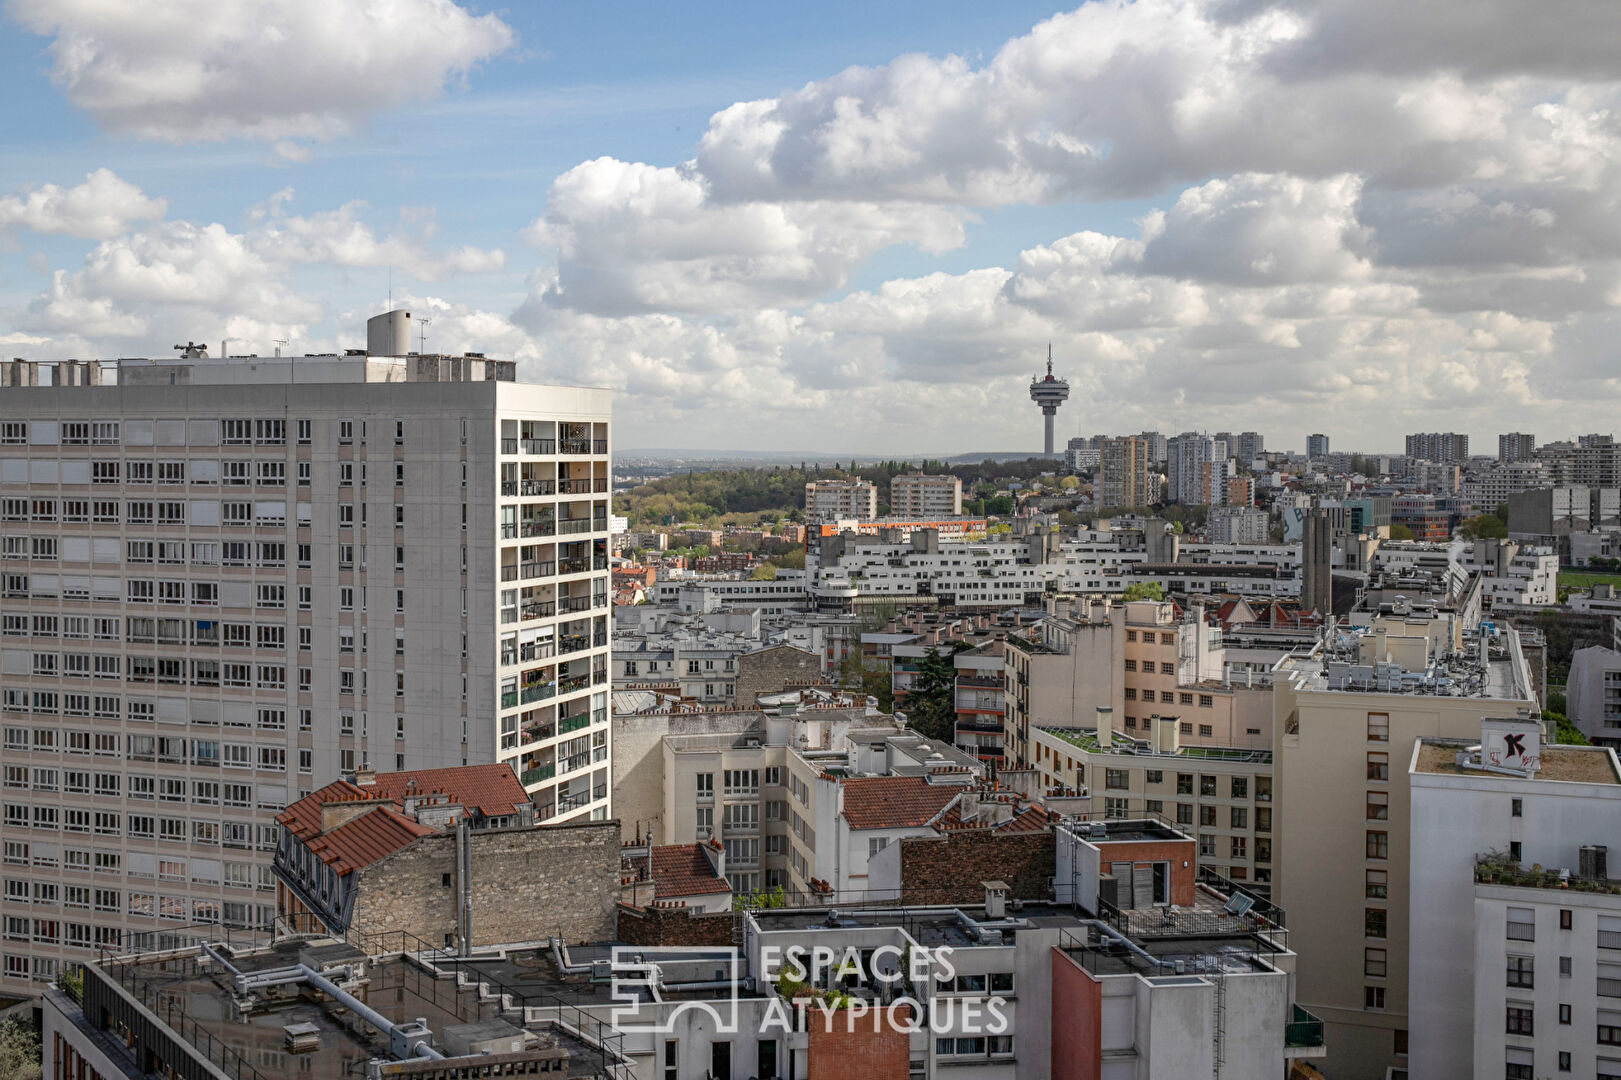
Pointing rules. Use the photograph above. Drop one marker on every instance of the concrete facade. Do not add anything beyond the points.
(225, 583)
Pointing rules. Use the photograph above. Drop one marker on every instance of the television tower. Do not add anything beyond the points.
(1049, 393)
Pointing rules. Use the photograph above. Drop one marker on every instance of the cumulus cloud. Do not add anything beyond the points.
(101, 207)
(339, 238)
(1122, 98)
(196, 70)
(631, 237)
(1363, 209)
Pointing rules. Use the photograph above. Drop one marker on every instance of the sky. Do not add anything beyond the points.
(851, 228)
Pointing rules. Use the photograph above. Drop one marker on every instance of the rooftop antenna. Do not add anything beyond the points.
(279, 343)
(422, 335)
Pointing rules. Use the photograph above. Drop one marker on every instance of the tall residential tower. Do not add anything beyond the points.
(227, 582)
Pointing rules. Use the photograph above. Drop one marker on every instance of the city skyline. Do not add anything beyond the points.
(1210, 209)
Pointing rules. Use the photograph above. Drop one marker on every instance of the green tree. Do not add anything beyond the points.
(19, 1049)
(1400, 532)
(1144, 590)
(763, 572)
(792, 559)
(931, 703)
(1484, 527)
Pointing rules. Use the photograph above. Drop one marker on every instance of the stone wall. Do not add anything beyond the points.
(951, 869)
(528, 884)
(674, 926)
(767, 671)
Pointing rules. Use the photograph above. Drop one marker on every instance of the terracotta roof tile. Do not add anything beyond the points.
(894, 802)
(369, 837)
(684, 870)
(492, 789)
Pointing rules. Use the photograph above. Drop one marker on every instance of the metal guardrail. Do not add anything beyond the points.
(1303, 1029)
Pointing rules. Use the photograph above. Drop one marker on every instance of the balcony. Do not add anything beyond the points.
(569, 527)
(577, 446)
(573, 723)
(570, 643)
(537, 609)
(573, 683)
(538, 528)
(537, 774)
(539, 446)
(537, 692)
(537, 569)
(574, 487)
(509, 446)
(580, 565)
(575, 603)
(1303, 1035)
(537, 487)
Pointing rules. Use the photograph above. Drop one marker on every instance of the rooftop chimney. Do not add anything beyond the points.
(1105, 726)
(995, 899)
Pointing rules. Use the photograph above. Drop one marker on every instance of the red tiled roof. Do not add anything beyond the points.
(684, 870)
(1029, 819)
(369, 837)
(894, 802)
(493, 790)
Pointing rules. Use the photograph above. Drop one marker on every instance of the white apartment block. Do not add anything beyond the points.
(1488, 488)
(831, 500)
(227, 582)
(925, 498)
(1515, 965)
(1239, 525)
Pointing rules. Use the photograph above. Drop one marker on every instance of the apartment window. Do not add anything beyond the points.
(1207, 817)
(1378, 845)
(1378, 806)
(1564, 1018)
(1186, 699)
(1564, 967)
(1374, 964)
(1131, 693)
(1116, 779)
(1131, 665)
(1516, 807)
(1564, 918)
(1238, 817)
(1520, 972)
(1519, 1020)
(1378, 765)
(1207, 701)
(1373, 998)
(1376, 884)
(1522, 925)
(1378, 727)
(1207, 786)
(706, 785)
(1373, 922)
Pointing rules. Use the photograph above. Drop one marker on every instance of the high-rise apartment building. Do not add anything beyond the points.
(1316, 446)
(1246, 446)
(1197, 468)
(1124, 467)
(1516, 446)
(1445, 447)
(830, 500)
(227, 582)
(925, 498)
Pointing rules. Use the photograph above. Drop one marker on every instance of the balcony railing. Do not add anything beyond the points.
(570, 643)
(575, 525)
(575, 487)
(509, 699)
(573, 723)
(575, 603)
(600, 446)
(540, 446)
(538, 569)
(578, 446)
(538, 528)
(579, 565)
(539, 773)
(573, 683)
(538, 487)
(538, 692)
(1303, 1029)
(537, 609)
(509, 446)
(576, 761)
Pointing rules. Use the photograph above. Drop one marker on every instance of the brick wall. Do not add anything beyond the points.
(1180, 854)
(673, 926)
(1077, 1021)
(527, 885)
(869, 1047)
(766, 672)
(950, 870)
